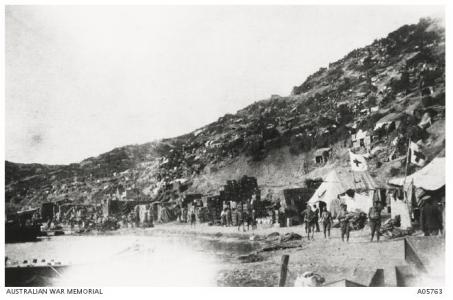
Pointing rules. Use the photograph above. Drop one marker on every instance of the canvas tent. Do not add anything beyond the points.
(360, 201)
(400, 208)
(329, 190)
(431, 177)
(338, 182)
(429, 183)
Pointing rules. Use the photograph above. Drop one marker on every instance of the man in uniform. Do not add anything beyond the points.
(344, 222)
(374, 216)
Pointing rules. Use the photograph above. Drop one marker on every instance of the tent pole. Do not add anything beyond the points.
(353, 172)
(407, 160)
(405, 174)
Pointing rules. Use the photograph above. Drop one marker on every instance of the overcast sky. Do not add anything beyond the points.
(83, 80)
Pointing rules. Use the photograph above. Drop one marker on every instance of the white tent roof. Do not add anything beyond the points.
(329, 189)
(339, 181)
(431, 177)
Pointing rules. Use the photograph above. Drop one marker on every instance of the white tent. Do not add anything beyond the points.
(400, 208)
(328, 191)
(360, 201)
(431, 177)
(337, 182)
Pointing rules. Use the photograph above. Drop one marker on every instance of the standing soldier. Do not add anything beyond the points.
(316, 218)
(326, 219)
(344, 222)
(309, 219)
(193, 218)
(223, 217)
(374, 215)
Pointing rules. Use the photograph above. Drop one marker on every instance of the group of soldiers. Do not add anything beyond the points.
(430, 220)
(312, 216)
(242, 217)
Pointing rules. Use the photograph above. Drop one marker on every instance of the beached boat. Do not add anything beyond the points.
(32, 273)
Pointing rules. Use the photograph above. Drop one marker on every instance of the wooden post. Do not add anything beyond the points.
(284, 269)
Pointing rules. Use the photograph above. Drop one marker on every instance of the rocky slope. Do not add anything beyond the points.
(401, 77)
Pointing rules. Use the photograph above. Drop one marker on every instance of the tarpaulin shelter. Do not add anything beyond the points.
(427, 183)
(431, 177)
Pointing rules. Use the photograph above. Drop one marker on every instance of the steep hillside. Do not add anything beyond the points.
(399, 78)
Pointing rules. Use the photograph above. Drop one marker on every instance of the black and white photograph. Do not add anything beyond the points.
(224, 146)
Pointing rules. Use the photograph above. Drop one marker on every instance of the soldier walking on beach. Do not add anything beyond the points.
(374, 216)
(316, 218)
(309, 218)
(344, 222)
(326, 219)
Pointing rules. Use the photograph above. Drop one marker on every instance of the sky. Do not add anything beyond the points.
(82, 80)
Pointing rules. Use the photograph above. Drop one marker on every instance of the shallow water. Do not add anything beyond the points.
(135, 258)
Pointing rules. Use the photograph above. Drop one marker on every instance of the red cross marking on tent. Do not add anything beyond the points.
(357, 162)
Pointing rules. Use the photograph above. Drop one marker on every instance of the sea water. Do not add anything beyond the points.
(134, 258)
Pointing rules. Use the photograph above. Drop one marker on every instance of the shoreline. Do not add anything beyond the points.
(331, 258)
(221, 231)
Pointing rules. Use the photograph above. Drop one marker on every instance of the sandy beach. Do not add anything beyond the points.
(330, 258)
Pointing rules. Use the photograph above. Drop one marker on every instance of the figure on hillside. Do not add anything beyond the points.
(374, 216)
(326, 219)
